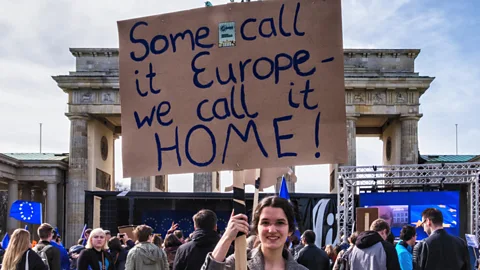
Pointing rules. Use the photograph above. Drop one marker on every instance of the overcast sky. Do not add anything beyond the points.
(35, 37)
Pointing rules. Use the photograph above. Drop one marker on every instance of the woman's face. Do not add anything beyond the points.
(98, 241)
(273, 228)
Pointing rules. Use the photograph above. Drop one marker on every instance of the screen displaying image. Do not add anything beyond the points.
(401, 208)
(450, 217)
(395, 215)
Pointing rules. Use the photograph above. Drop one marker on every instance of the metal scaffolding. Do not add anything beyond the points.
(396, 177)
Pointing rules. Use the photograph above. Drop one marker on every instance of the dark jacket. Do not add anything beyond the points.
(441, 251)
(373, 253)
(313, 258)
(53, 254)
(119, 258)
(91, 259)
(34, 261)
(191, 256)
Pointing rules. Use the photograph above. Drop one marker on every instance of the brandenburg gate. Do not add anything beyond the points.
(382, 94)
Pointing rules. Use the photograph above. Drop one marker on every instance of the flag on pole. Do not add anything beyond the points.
(27, 211)
(284, 194)
(5, 241)
(82, 236)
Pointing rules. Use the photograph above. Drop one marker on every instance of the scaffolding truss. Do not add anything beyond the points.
(397, 177)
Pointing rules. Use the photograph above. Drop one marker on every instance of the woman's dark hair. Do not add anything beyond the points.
(407, 232)
(275, 202)
(158, 241)
(172, 241)
(115, 244)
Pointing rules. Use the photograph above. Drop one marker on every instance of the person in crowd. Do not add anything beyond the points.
(145, 255)
(404, 248)
(50, 254)
(342, 258)
(332, 256)
(191, 255)
(118, 253)
(179, 235)
(439, 250)
(372, 252)
(172, 243)
(158, 241)
(311, 256)
(64, 258)
(273, 222)
(108, 235)
(74, 253)
(19, 256)
(95, 255)
(87, 234)
(296, 246)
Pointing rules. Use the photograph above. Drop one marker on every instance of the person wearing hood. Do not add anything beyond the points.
(191, 256)
(372, 251)
(145, 255)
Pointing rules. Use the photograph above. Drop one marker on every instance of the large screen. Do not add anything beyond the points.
(400, 208)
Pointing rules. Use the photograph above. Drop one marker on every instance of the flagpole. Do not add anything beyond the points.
(239, 208)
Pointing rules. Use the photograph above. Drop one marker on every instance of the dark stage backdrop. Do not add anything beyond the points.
(158, 210)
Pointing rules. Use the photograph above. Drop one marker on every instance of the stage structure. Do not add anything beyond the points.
(395, 177)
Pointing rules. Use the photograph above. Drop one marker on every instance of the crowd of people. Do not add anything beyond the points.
(271, 245)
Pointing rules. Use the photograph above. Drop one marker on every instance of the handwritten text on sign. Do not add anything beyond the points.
(236, 86)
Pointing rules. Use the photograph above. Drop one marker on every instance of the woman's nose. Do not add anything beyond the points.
(272, 228)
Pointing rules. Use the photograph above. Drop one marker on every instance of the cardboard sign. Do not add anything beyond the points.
(237, 86)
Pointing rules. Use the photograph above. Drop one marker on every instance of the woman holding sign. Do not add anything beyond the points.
(273, 222)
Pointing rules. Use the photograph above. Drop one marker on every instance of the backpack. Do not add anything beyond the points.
(43, 255)
(342, 261)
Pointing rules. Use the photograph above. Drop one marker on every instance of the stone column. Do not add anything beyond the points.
(12, 223)
(140, 183)
(409, 141)
(202, 182)
(77, 177)
(52, 203)
(352, 140)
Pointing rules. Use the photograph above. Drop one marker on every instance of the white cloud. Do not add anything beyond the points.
(36, 36)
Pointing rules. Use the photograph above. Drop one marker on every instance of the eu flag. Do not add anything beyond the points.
(5, 241)
(285, 195)
(26, 211)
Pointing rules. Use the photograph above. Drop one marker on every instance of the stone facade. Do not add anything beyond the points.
(35, 177)
(382, 92)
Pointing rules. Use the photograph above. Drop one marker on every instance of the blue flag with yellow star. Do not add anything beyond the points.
(27, 211)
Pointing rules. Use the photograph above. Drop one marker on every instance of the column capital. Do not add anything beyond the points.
(78, 116)
(50, 181)
(353, 116)
(416, 117)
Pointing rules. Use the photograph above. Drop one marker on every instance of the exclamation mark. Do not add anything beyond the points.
(317, 135)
